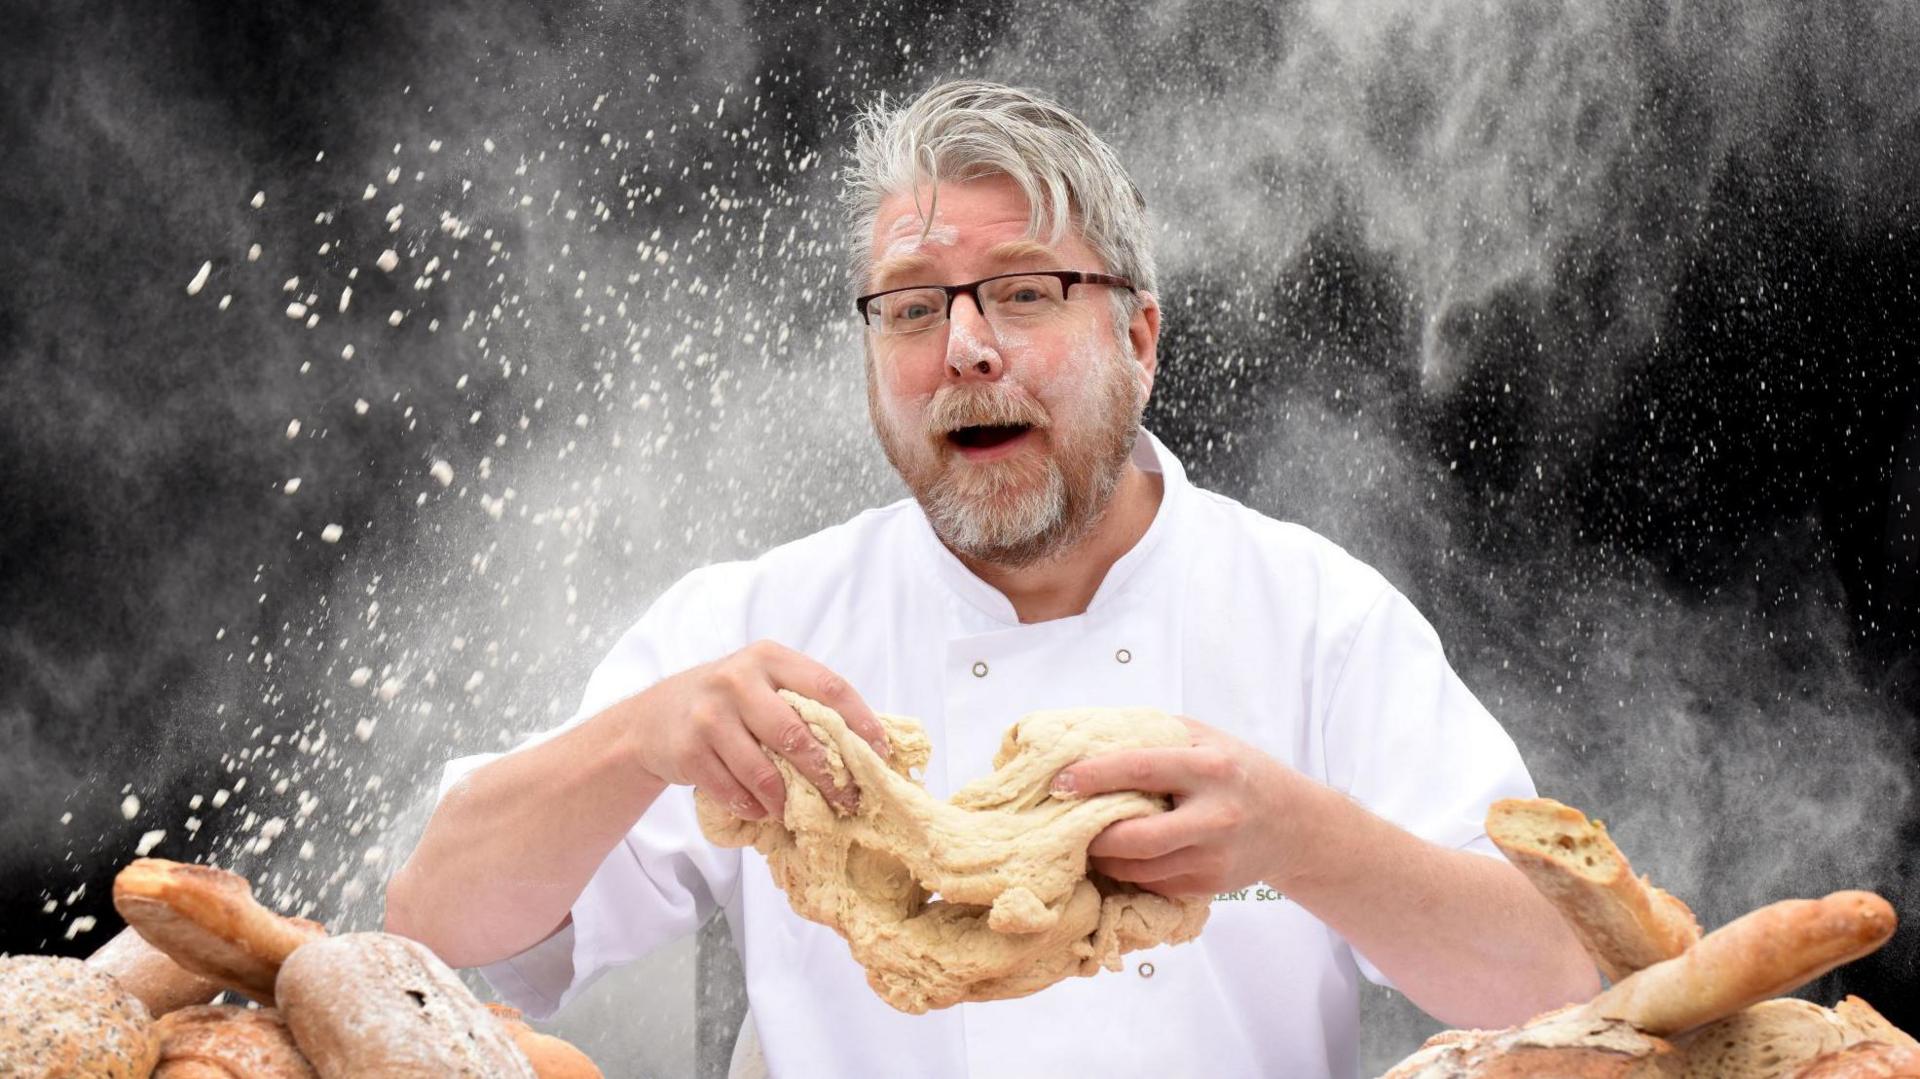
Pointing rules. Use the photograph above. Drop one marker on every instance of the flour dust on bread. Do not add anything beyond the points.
(367, 1004)
(208, 921)
(1017, 910)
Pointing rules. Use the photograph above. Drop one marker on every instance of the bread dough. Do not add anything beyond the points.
(984, 897)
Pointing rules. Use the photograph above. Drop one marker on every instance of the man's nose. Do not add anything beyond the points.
(972, 349)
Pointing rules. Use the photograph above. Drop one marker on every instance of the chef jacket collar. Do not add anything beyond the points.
(1149, 455)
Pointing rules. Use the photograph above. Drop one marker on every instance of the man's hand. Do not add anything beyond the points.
(705, 728)
(1225, 830)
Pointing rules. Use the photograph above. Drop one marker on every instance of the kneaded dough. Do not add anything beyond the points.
(1017, 909)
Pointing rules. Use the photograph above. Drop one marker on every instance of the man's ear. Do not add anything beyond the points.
(1143, 333)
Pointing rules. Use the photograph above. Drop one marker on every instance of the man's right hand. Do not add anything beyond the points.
(705, 728)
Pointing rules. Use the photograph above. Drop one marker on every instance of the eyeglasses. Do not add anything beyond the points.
(1004, 299)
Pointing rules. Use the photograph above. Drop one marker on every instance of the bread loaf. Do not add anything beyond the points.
(1773, 1039)
(206, 920)
(1868, 1060)
(1565, 1044)
(1770, 951)
(369, 1004)
(148, 973)
(61, 1018)
(1625, 922)
(1864, 1024)
(228, 1042)
(552, 1058)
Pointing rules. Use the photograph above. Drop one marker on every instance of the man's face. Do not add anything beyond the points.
(1012, 438)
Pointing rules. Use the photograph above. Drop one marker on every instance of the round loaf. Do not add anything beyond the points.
(1868, 1060)
(1772, 1038)
(376, 1004)
(58, 1017)
(219, 1041)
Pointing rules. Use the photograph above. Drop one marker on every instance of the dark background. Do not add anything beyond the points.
(1595, 331)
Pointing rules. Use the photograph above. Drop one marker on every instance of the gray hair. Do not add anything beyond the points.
(968, 129)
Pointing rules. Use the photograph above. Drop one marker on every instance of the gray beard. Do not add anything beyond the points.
(982, 521)
(991, 516)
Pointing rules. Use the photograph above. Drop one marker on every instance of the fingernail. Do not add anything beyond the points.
(1063, 783)
(881, 747)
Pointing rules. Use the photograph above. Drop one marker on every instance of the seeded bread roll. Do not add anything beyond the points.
(367, 1004)
(207, 920)
(1625, 922)
(1771, 951)
(552, 1058)
(228, 1042)
(150, 974)
(60, 1018)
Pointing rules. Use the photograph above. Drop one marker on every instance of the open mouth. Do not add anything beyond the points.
(986, 437)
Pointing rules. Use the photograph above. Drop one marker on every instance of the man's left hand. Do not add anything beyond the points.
(1225, 830)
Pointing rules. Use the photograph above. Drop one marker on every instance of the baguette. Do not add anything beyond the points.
(552, 1058)
(1770, 951)
(207, 920)
(148, 973)
(1625, 922)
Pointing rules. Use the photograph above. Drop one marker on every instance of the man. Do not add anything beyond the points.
(1053, 555)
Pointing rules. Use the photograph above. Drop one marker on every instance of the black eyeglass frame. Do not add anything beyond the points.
(1067, 278)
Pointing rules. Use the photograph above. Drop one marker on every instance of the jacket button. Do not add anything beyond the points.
(979, 670)
(1146, 970)
(1124, 656)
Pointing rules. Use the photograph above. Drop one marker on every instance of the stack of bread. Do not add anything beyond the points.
(1681, 1005)
(361, 1004)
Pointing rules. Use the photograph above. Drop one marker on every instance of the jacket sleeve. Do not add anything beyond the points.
(663, 879)
(1408, 740)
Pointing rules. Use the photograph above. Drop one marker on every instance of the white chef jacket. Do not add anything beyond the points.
(1263, 629)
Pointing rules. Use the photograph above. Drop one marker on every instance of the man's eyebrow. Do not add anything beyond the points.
(1021, 250)
(894, 269)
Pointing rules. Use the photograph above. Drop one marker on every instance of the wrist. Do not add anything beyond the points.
(626, 745)
(1299, 809)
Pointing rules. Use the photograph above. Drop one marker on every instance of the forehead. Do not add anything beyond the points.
(970, 219)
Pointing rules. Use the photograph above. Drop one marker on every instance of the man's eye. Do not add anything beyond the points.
(1026, 294)
(914, 312)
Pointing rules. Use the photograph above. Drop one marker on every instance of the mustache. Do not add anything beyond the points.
(981, 406)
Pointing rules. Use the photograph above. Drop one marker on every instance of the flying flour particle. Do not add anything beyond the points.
(130, 806)
(149, 841)
(388, 260)
(331, 533)
(443, 472)
(200, 279)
